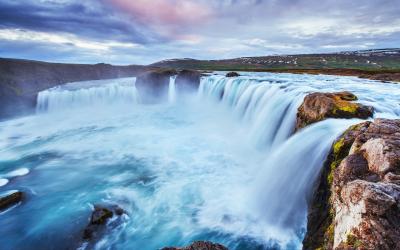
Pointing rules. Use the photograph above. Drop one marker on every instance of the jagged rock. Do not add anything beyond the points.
(357, 201)
(99, 218)
(232, 74)
(10, 199)
(368, 213)
(188, 80)
(383, 155)
(320, 106)
(350, 169)
(199, 245)
(153, 85)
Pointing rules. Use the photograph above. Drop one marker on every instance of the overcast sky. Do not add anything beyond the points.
(145, 31)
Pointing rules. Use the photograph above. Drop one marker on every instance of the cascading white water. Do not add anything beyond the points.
(268, 109)
(86, 94)
(286, 179)
(172, 90)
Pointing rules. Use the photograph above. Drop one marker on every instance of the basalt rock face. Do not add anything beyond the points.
(21, 80)
(357, 203)
(319, 106)
(153, 85)
(188, 80)
(199, 245)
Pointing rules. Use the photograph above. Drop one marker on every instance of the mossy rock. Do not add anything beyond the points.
(320, 106)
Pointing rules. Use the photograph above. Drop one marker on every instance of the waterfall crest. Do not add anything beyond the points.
(88, 94)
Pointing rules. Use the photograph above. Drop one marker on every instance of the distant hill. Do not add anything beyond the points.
(366, 60)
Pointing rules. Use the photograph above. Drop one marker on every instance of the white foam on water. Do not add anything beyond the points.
(17, 172)
(3, 182)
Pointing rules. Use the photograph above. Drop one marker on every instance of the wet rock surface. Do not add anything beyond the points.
(357, 202)
(199, 245)
(320, 106)
(99, 219)
(10, 199)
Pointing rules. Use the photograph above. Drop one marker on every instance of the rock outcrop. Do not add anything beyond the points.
(188, 80)
(10, 199)
(357, 202)
(199, 245)
(98, 220)
(319, 106)
(153, 85)
(232, 74)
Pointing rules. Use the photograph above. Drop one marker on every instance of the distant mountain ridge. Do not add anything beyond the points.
(377, 59)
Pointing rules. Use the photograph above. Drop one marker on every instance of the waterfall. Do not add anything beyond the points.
(172, 90)
(88, 94)
(268, 109)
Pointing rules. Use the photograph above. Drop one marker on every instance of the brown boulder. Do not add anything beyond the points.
(199, 245)
(320, 106)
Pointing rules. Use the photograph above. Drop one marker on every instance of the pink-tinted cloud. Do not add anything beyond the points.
(165, 12)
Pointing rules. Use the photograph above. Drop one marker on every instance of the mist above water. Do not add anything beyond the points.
(218, 164)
